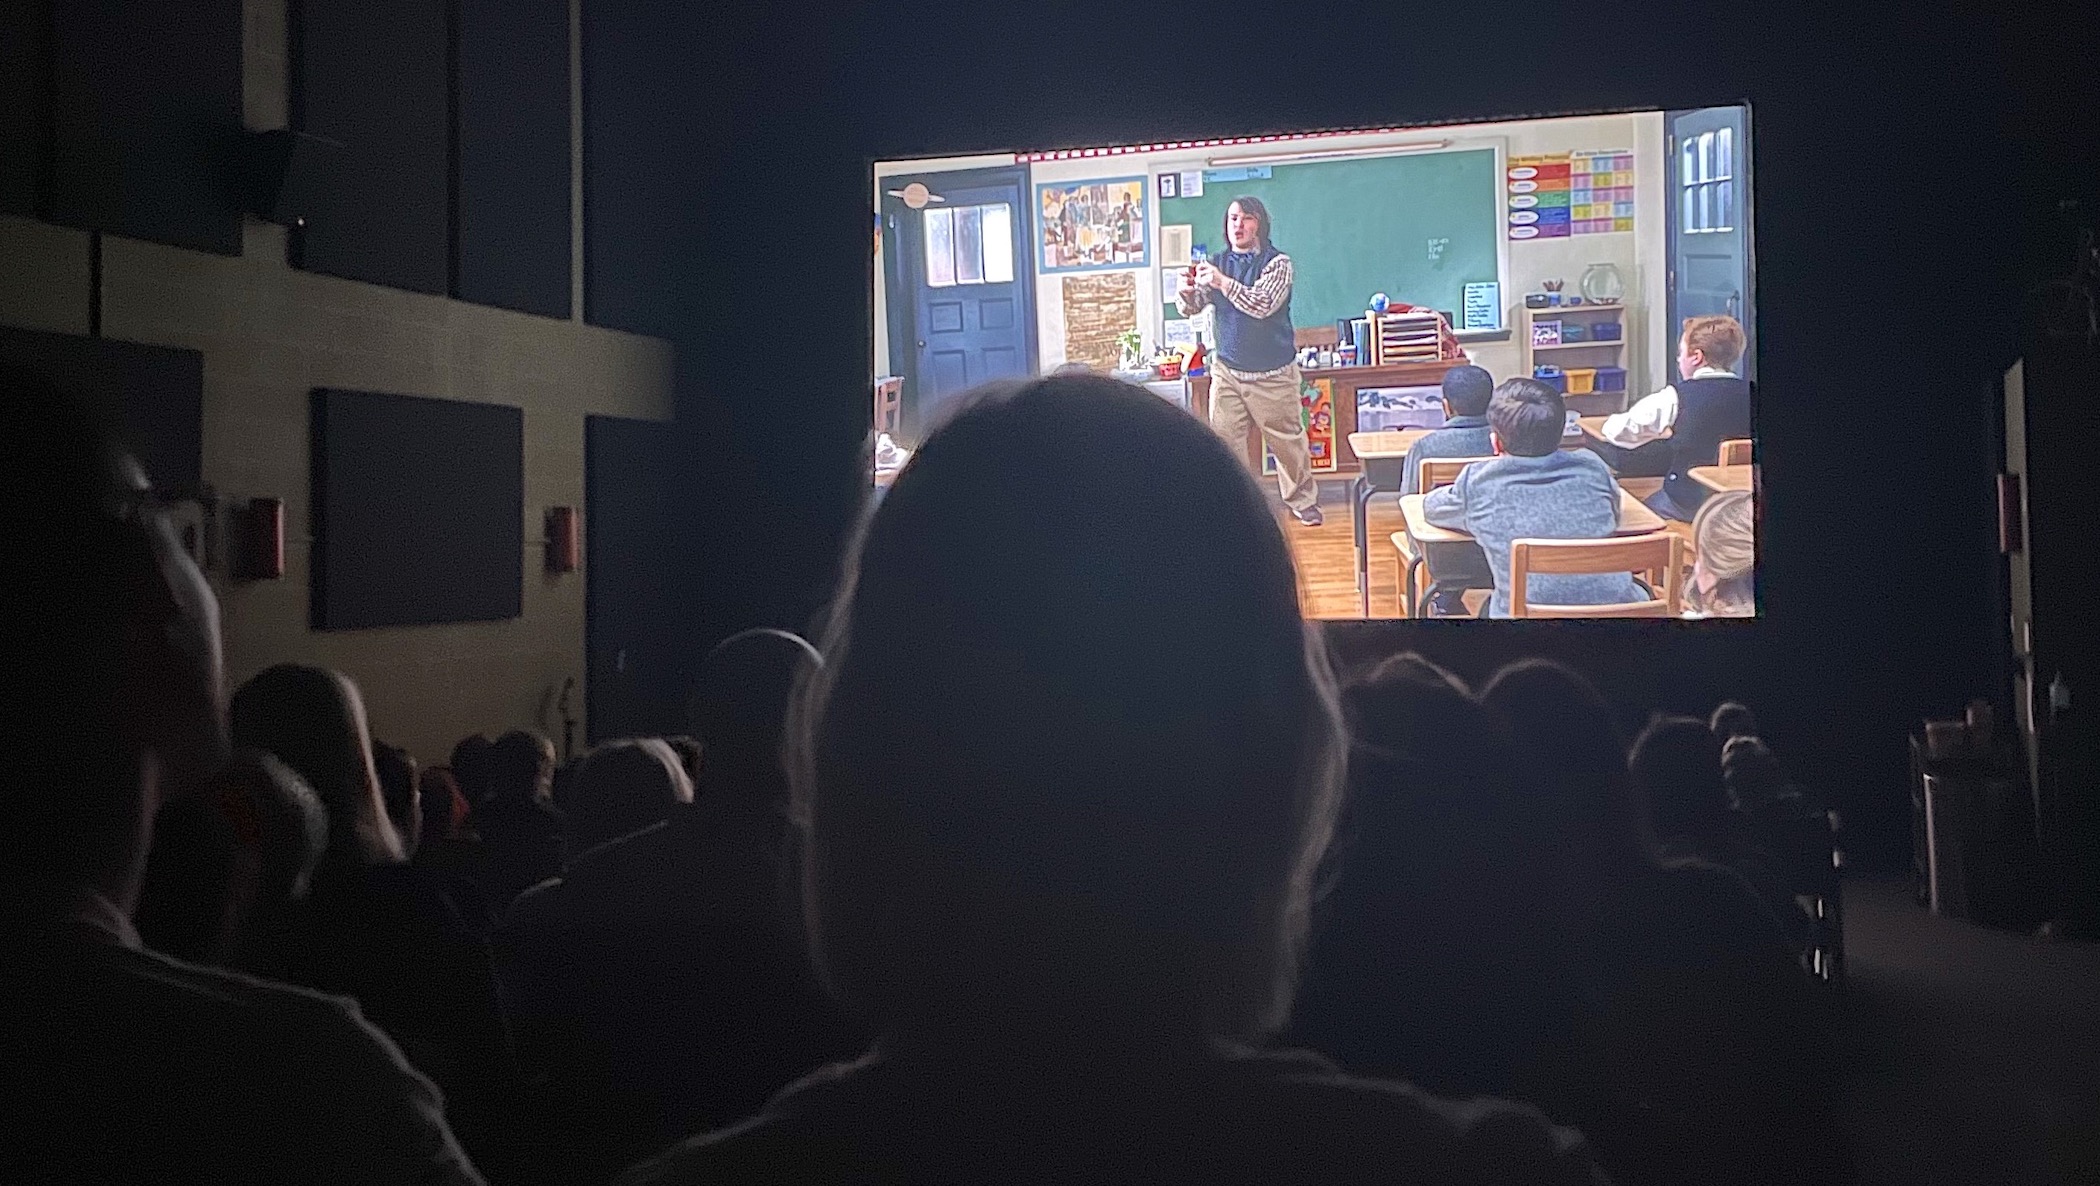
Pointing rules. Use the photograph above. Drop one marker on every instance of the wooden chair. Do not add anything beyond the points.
(1432, 473)
(1736, 452)
(889, 403)
(1656, 555)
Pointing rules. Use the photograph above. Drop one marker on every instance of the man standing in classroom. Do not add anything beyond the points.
(1255, 375)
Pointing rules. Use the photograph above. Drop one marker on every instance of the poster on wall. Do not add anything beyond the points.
(1600, 191)
(1537, 196)
(1086, 226)
(1317, 398)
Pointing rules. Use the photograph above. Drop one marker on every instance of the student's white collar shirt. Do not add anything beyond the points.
(1649, 419)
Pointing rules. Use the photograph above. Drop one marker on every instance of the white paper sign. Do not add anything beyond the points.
(1179, 334)
(1174, 245)
(1483, 308)
(1192, 183)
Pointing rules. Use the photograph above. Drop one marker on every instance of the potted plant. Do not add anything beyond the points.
(1131, 342)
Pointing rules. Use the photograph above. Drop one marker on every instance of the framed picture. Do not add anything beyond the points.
(1090, 226)
(1169, 185)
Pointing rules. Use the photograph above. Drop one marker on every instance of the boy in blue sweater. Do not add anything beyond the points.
(1534, 489)
(1455, 567)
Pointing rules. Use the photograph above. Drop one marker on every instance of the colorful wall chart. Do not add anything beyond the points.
(1600, 192)
(1538, 196)
(1554, 195)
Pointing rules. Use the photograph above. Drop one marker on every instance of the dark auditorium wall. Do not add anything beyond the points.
(270, 333)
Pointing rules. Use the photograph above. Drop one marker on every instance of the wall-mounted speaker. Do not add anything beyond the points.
(564, 540)
(287, 176)
(257, 528)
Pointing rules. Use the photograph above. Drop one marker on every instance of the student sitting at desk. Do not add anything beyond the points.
(1455, 567)
(1534, 489)
(1710, 405)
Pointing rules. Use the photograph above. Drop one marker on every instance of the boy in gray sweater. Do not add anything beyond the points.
(1534, 489)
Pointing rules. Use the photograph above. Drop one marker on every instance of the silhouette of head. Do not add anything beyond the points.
(313, 719)
(1577, 758)
(739, 710)
(1676, 763)
(623, 786)
(1067, 769)
(115, 660)
(399, 790)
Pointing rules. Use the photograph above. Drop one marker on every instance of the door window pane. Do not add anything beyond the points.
(1684, 216)
(969, 245)
(940, 248)
(1724, 201)
(998, 244)
(1724, 154)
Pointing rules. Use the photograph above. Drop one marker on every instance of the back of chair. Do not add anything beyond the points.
(1736, 452)
(889, 403)
(1442, 471)
(1658, 554)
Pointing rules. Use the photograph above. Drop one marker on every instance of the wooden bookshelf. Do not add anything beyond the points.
(1573, 355)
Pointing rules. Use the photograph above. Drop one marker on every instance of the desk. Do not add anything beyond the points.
(1345, 383)
(1722, 478)
(1634, 519)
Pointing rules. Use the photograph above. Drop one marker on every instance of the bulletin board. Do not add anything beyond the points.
(1418, 227)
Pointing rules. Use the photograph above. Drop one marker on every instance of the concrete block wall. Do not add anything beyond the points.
(271, 334)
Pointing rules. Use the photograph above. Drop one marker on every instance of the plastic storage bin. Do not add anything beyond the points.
(1581, 380)
(1611, 378)
(1551, 376)
(1605, 331)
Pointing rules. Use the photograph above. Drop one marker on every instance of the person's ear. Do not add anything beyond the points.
(1495, 440)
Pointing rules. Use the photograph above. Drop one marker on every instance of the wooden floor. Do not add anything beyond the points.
(1326, 557)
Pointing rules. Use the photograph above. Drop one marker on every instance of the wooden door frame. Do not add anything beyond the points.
(902, 252)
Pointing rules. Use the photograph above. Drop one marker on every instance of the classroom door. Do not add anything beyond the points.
(1709, 248)
(964, 286)
(634, 656)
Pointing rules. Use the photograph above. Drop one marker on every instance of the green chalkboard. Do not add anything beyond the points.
(1418, 228)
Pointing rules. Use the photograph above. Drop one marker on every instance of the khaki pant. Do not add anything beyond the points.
(1272, 405)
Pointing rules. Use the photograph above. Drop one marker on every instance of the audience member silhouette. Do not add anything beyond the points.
(1434, 956)
(377, 928)
(660, 985)
(1676, 763)
(1067, 775)
(448, 849)
(399, 793)
(124, 1065)
(514, 814)
(229, 868)
(1731, 719)
(1702, 1037)
(467, 764)
(620, 788)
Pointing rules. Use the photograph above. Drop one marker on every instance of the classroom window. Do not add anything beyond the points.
(940, 248)
(1706, 181)
(969, 245)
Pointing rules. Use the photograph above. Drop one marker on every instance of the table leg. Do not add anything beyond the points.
(1360, 498)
